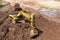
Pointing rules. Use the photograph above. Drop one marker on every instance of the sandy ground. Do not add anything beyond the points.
(48, 30)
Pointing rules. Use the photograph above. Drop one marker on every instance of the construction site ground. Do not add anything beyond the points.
(48, 30)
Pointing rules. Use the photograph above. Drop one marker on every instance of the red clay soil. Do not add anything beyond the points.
(48, 30)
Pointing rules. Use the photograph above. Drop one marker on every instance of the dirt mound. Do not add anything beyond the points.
(48, 30)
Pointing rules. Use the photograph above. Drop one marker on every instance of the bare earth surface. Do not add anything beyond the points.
(48, 30)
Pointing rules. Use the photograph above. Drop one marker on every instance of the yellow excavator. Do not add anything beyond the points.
(15, 18)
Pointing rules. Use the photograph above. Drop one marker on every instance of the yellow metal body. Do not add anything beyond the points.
(29, 16)
(14, 17)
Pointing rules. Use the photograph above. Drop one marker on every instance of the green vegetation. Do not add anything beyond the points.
(1, 6)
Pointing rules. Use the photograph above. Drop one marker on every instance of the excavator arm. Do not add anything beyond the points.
(33, 31)
(24, 14)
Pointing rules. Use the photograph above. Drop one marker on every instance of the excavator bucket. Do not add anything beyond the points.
(33, 33)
